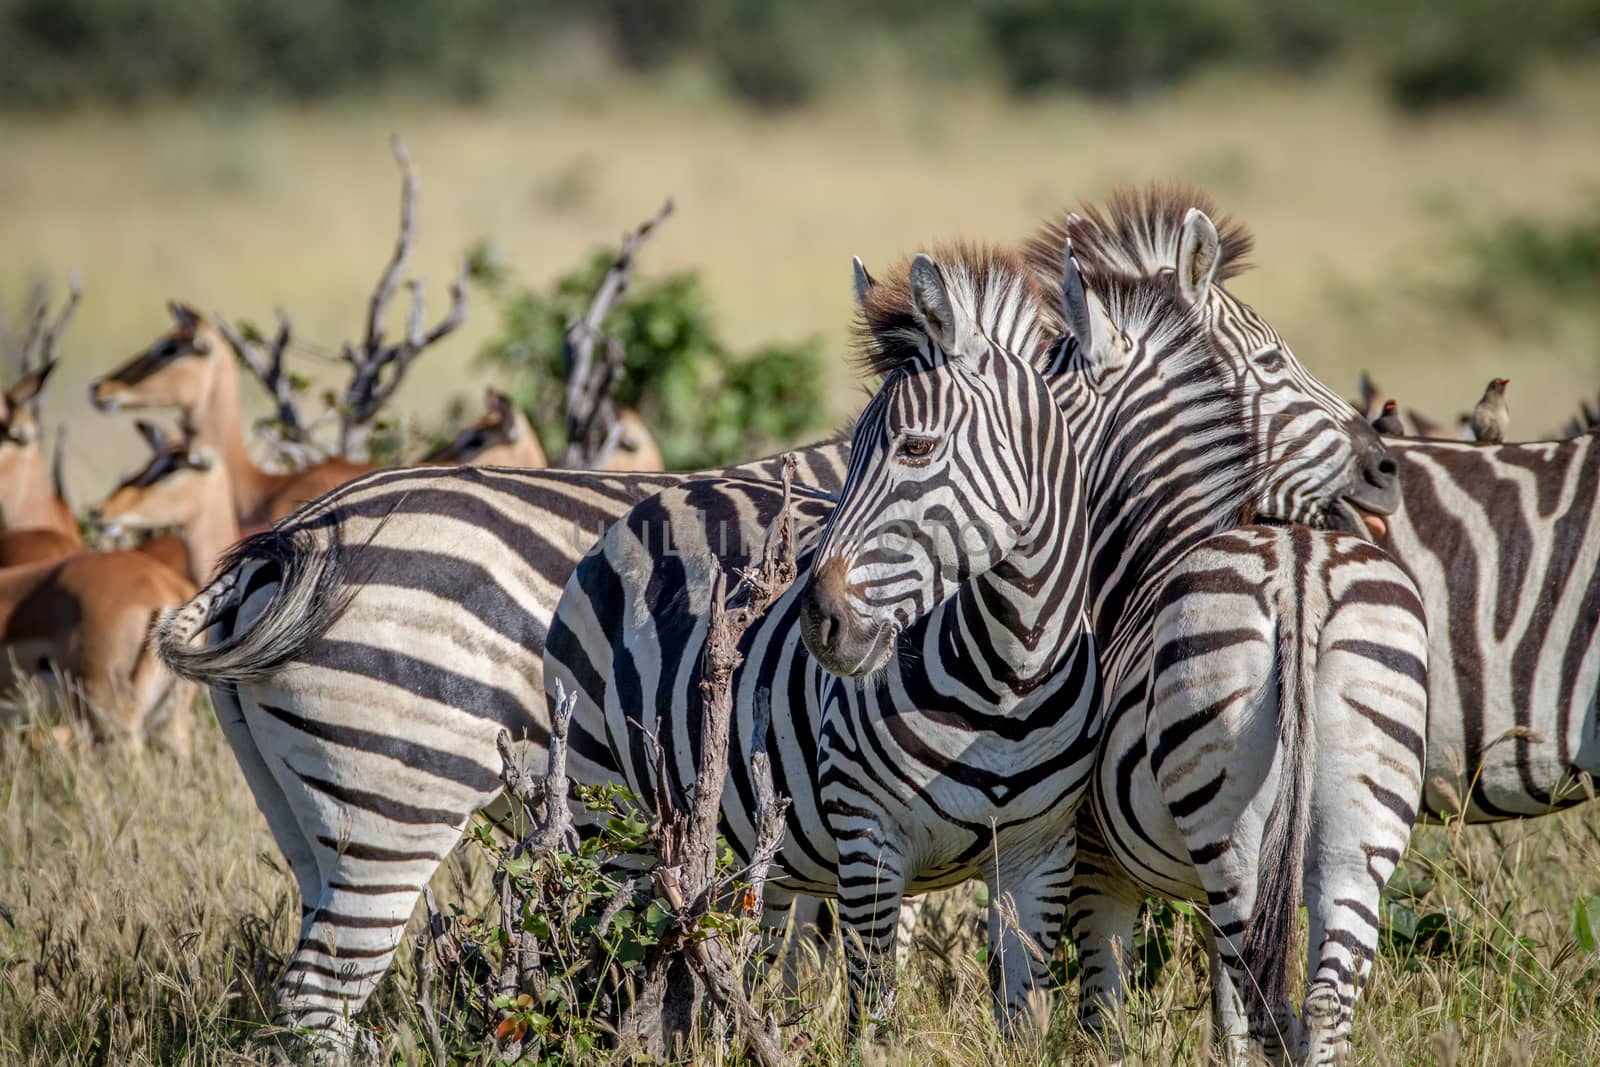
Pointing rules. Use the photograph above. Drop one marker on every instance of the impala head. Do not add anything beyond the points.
(19, 429)
(501, 437)
(169, 490)
(174, 371)
(1316, 460)
(952, 460)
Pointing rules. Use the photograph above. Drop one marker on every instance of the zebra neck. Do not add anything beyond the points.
(1155, 488)
(1018, 623)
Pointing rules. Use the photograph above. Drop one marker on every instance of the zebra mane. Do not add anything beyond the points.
(1011, 302)
(1138, 232)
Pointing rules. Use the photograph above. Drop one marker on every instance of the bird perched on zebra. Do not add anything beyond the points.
(938, 722)
(1281, 747)
(1388, 421)
(1490, 416)
(363, 655)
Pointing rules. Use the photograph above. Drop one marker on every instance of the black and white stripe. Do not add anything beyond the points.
(1503, 543)
(946, 596)
(1280, 747)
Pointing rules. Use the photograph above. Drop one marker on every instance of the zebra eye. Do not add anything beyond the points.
(1271, 360)
(916, 447)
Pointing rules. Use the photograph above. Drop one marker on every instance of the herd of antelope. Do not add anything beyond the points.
(76, 620)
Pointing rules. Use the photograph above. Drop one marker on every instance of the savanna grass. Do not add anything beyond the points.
(144, 913)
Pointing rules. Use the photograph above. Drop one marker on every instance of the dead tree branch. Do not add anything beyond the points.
(377, 366)
(591, 415)
(292, 431)
(686, 875)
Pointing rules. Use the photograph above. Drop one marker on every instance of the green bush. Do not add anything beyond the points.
(706, 404)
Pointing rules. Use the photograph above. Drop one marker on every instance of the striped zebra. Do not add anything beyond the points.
(1504, 543)
(1165, 235)
(363, 654)
(937, 721)
(1501, 541)
(1281, 745)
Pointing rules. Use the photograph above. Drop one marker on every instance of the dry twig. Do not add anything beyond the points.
(592, 430)
(378, 367)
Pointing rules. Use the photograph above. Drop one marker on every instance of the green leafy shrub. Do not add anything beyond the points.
(706, 404)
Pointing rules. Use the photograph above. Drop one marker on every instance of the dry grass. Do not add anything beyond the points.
(246, 209)
(145, 913)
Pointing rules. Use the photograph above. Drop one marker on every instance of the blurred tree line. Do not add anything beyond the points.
(768, 53)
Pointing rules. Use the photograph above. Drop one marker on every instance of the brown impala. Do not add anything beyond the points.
(194, 369)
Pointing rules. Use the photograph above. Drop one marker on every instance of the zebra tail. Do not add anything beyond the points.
(313, 587)
(1269, 939)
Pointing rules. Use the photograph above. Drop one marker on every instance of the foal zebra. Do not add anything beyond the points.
(379, 638)
(938, 722)
(1282, 744)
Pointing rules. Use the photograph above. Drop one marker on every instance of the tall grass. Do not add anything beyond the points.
(144, 913)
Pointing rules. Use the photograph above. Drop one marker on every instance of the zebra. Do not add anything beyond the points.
(937, 721)
(1164, 449)
(388, 630)
(1502, 542)
(1281, 743)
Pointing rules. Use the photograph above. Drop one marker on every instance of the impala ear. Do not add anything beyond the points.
(864, 281)
(502, 407)
(154, 436)
(1198, 253)
(934, 310)
(185, 316)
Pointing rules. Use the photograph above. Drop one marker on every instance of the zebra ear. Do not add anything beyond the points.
(933, 308)
(1100, 344)
(864, 281)
(1074, 300)
(1198, 252)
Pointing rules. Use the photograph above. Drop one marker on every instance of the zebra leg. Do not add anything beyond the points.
(374, 854)
(1103, 906)
(871, 887)
(1233, 986)
(293, 843)
(1027, 904)
(1230, 1027)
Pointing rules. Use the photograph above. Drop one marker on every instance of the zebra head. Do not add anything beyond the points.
(954, 461)
(1316, 460)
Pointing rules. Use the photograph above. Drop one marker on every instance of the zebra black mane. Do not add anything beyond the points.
(1008, 299)
(1138, 232)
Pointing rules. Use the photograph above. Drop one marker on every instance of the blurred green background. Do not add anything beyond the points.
(1423, 178)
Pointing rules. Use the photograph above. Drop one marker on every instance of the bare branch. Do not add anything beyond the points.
(267, 366)
(390, 278)
(376, 367)
(590, 416)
